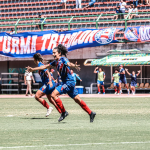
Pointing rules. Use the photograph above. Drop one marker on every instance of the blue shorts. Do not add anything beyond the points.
(133, 84)
(123, 81)
(69, 88)
(47, 89)
(116, 84)
(100, 82)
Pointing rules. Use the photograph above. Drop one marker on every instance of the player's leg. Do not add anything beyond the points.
(79, 3)
(27, 88)
(57, 92)
(120, 86)
(30, 88)
(38, 97)
(74, 94)
(115, 88)
(98, 86)
(102, 85)
(53, 102)
(125, 82)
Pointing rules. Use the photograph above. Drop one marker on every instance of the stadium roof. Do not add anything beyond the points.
(116, 60)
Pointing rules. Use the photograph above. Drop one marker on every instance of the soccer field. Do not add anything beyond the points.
(120, 124)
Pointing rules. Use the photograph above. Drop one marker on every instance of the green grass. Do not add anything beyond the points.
(124, 120)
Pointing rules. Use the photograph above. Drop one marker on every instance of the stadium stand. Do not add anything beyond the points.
(52, 10)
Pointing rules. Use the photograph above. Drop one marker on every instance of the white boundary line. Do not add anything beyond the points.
(60, 145)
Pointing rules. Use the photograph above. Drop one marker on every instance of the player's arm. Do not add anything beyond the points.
(50, 78)
(123, 72)
(104, 76)
(77, 76)
(138, 73)
(33, 79)
(25, 79)
(72, 65)
(95, 70)
(30, 69)
(127, 71)
(112, 78)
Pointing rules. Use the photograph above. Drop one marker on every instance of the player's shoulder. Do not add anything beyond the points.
(40, 64)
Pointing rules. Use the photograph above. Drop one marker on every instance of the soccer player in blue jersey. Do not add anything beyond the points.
(123, 79)
(133, 79)
(63, 67)
(75, 76)
(48, 86)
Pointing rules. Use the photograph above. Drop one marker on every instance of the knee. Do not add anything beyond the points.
(36, 97)
(53, 95)
(77, 100)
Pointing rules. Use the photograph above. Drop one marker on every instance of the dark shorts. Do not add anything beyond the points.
(69, 88)
(47, 89)
(123, 81)
(133, 84)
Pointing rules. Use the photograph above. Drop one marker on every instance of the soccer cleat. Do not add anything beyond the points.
(92, 116)
(104, 93)
(99, 93)
(115, 92)
(118, 94)
(49, 111)
(63, 115)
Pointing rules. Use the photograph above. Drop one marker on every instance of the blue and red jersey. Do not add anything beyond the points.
(43, 74)
(63, 69)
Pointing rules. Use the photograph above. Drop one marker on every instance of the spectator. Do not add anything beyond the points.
(63, 4)
(135, 2)
(147, 2)
(28, 77)
(12, 31)
(117, 12)
(130, 9)
(135, 11)
(41, 20)
(141, 2)
(78, 3)
(123, 7)
(90, 4)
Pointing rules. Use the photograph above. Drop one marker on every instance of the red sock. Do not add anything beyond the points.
(85, 107)
(99, 89)
(45, 104)
(58, 109)
(103, 90)
(115, 90)
(60, 105)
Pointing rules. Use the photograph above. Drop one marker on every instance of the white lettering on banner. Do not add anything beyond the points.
(71, 38)
(83, 36)
(61, 37)
(65, 41)
(75, 40)
(7, 40)
(89, 38)
(15, 45)
(144, 33)
(33, 45)
(1, 38)
(53, 42)
(25, 48)
(45, 38)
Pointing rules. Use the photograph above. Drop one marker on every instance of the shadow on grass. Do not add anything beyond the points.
(36, 118)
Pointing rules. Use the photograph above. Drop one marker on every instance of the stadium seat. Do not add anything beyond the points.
(111, 86)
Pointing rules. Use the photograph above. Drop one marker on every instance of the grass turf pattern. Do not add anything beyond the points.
(120, 124)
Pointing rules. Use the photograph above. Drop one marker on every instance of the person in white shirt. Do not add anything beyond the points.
(135, 11)
(28, 77)
(12, 31)
(129, 11)
(123, 7)
(78, 3)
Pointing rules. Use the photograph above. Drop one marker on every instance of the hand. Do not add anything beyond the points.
(139, 71)
(25, 83)
(29, 69)
(81, 80)
(50, 83)
(33, 81)
(126, 69)
(77, 66)
(96, 68)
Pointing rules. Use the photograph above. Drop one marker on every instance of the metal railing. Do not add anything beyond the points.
(98, 18)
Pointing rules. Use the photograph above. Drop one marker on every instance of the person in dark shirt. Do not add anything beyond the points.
(117, 12)
(133, 80)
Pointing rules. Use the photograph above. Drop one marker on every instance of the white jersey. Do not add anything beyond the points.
(28, 75)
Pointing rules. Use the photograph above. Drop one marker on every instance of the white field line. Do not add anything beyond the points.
(60, 145)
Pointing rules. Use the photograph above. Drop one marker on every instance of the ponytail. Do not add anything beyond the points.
(62, 49)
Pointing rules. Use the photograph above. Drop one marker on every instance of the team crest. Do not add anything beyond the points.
(105, 36)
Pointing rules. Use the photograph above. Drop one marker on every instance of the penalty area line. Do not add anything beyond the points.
(59, 145)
